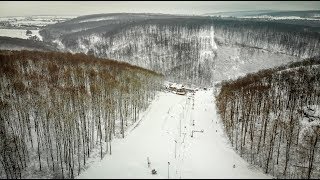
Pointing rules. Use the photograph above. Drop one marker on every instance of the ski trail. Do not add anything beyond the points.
(164, 135)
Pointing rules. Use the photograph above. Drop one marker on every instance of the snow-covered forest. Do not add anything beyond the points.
(57, 107)
(272, 118)
(140, 95)
(186, 49)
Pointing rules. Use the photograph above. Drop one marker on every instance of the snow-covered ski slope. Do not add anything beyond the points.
(157, 137)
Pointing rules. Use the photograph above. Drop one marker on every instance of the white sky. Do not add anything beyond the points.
(26, 8)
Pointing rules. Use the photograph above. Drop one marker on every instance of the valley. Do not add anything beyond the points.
(95, 93)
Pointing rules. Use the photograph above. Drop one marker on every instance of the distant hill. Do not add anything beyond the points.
(274, 13)
(306, 18)
(186, 49)
(302, 14)
(239, 13)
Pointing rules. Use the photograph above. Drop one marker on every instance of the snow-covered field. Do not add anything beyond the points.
(17, 26)
(19, 33)
(33, 21)
(163, 135)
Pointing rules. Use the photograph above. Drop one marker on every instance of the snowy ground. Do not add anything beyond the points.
(159, 137)
(19, 33)
(17, 26)
(32, 21)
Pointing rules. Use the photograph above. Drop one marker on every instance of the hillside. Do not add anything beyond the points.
(147, 95)
(189, 49)
(306, 18)
(272, 118)
(56, 108)
(8, 43)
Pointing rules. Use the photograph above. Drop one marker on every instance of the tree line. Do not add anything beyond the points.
(272, 118)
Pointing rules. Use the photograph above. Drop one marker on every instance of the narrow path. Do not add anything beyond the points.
(164, 135)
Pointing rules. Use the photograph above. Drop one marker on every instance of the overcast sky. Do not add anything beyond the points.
(23, 8)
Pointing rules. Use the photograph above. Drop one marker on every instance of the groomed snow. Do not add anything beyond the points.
(205, 155)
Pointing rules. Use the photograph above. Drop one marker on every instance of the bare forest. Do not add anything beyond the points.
(272, 118)
(153, 95)
(57, 107)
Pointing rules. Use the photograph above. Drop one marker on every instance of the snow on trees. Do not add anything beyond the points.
(56, 108)
(188, 49)
(28, 33)
(272, 118)
(34, 38)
